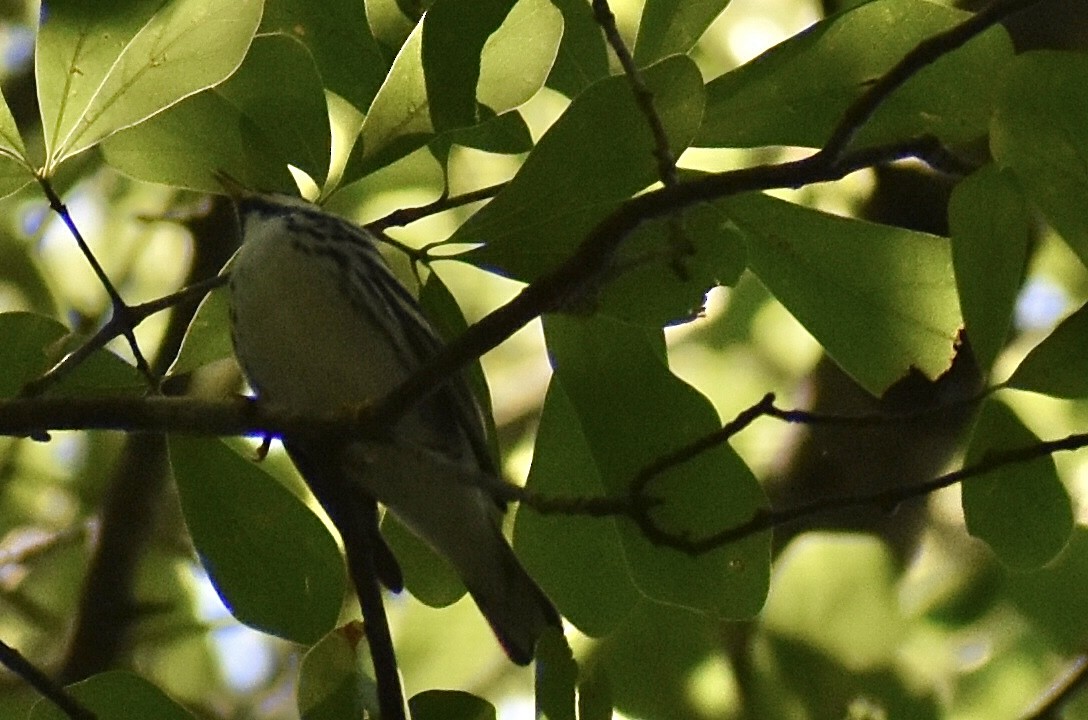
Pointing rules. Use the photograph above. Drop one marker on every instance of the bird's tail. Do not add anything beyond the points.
(517, 609)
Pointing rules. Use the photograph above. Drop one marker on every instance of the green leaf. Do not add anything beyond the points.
(556, 673)
(815, 598)
(240, 126)
(572, 557)
(15, 167)
(880, 299)
(672, 27)
(560, 192)
(449, 705)
(517, 58)
(272, 561)
(582, 58)
(1021, 510)
(595, 696)
(670, 264)
(1040, 133)
(1058, 365)
(21, 271)
(338, 35)
(991, 231)
(633, 411)
(427, 575)
(207, 339)
(31, 344)
(331, 681)
(102, 69)
(796, 92)
(439, 75)
(116, 695)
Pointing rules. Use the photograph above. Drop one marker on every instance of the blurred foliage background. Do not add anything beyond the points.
(881, 614)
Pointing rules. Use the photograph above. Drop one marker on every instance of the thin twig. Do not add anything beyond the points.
(407, 216)
(666, 162)
(119, 309)
(119, 324)
(14, 661)
(1072, 681)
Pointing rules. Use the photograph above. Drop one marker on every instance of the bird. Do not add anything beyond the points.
(319, 322)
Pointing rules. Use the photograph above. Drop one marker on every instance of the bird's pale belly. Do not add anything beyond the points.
(301, 342)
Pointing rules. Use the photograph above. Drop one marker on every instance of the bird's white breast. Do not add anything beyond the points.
(301, 342)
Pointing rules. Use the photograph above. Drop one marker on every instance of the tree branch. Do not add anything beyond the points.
(14, 661)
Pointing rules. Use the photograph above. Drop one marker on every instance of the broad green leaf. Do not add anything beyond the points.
(21, 271)
(332, 683)
(505, 134)
(796, 92)
(240, 125)
(338, 36)
(990, 229)
(15, 168)
(815, 598)
(102, 70)
(427, 575)
(449, 705)
(880, 299)
(1041, 134)
(1021, 510)
(652, 659)
(633, 411)
(671, 27)
(31, 344)
(1046, 597)
(583, 55)
(116, 695)
(207, 339)
(1058, 366)
(595, 696)
(561, 191)
(517, 58)
(572, 557)
(272, 561)
(439, 75)
(670, 263)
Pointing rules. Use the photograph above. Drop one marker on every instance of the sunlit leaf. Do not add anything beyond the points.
(880, 299)
(1058, 366)
(15, 167)
(1021, 510)
(207, 339)
(795, 93)
(1040, 133)
(990, 230)
(103, 69)
(517, 58)
(583, 56)
(671, 27)
(240, 126)
(498, 53)
(272, 561)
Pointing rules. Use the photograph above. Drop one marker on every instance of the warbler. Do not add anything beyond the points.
(319, 322)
